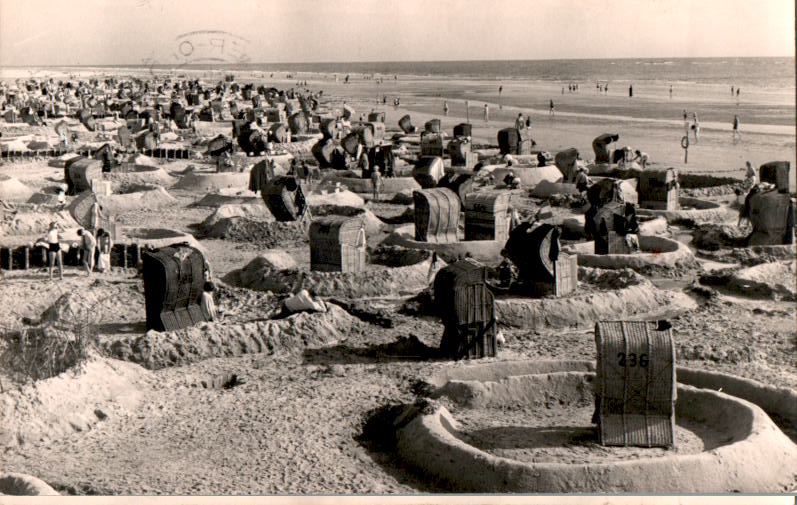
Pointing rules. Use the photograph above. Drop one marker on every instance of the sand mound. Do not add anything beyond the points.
(149, 199)
(11, 190)
(715, 236)
(205, 181)
(610, 279)
(260, 267)
(20, 484)
(74, 401)
(103, 302)
(346, 198)
(132, 176)
(265, 234)
(779, 278)
(292, 334)
(24, 223)
(158, 237)
(43, 199)
(254, 211)
(776, 281)
(227, 197)
(403, 198)
(373, 224)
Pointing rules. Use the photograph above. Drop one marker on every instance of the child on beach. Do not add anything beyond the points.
(520, 123)
(445, 108)
(208, 306)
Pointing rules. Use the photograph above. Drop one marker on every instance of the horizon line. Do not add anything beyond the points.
(155, 64)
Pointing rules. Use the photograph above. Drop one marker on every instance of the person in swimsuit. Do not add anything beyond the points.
(54, 251)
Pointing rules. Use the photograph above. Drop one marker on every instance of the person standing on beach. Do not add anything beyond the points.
(445, 108)
(686, 123)
(486, 114)
(550, 110)
(731, 90)
(500, 90)
(54, 251)
(520, 123)
(630, 90)
(670, 90)
(695, 126)
(88, 245)
(736, 131)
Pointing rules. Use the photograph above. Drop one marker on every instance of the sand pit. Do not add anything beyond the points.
(74, 401)
(655, 253)
(255, 211)
(601, 295)
(20, 484)
(208, 181)
(11, 190)
(390, 185)
(486, 251)
(292, 334)
(390, 272)
(573, 226)
(131, 176)
(517, 427)
(694, 210)
(228, 196)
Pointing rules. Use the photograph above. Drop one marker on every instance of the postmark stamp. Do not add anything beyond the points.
(202, 47)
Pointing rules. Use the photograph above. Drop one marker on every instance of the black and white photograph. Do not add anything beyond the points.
(423, 251)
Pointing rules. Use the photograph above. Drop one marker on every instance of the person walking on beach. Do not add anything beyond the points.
(376, 183)
(500, 90)
(445, 108)
(736, 132)
(686, 123)
(550, 110)
(486, 114)
(695, 126)
(731, 90)
(670, 90)
(54, 251)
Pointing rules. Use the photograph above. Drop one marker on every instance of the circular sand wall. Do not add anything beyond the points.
(693, 209)
(743, 449)
(654, 252)
(487, 251)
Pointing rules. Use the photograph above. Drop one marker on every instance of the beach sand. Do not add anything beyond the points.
(293, 426)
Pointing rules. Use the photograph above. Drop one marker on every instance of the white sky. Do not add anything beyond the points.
(86, 32)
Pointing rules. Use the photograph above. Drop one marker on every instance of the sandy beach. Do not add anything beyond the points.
(310, 384)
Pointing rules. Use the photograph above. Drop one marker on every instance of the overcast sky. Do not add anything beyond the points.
(86, 32)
